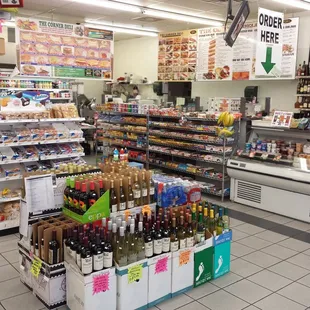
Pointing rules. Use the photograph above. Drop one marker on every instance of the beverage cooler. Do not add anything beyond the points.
(272, 171)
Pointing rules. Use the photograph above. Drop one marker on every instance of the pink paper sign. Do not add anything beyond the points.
(161, 265)
(101, 283)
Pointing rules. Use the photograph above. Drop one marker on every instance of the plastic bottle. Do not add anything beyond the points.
(122, 155)
(115, 155)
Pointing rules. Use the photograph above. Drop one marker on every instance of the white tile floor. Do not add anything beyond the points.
(269, 271)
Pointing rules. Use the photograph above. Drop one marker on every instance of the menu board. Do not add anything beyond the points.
(177, 55)
(53, 49)
(216, 61)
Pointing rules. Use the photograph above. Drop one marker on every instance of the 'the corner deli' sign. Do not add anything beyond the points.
(269, 43)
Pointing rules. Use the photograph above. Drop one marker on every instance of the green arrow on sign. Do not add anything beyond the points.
(268, 65)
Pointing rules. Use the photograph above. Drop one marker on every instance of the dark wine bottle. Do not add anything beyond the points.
(97, 254)
(73, 244)
(92, 195)
(107, 252)
(158, 240)
(83, 199)
(86, 258)
(79, 249)
(148, 242)
(101, 189)
(53, 250)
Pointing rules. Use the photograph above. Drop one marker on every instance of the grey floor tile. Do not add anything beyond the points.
(250, 229)
(269, 280)
(1, 308)
(305, 280)
(289, 270)
(226, 280)
(237, 234)
(248, 291)
(175, 302)
(16, 266)
(261, 259)
(259, 213)
(255, 243)
(12, 288)
(279, 251)
(235, 222)
(301, 260)
(9, 238)
(238, 249)
(251, 308)
(295, 244)
(8, 272)
(8, 245)
(222, 300)
(201, 291)
(239, 207)
(279, 219)
(271, 236)
(297, 292)
(3, 261)
(277, 302)
(243, 268)
(299, 225)
(307, 252)
(193, 306)
(11, 256)
(28, 302)
(233, 257)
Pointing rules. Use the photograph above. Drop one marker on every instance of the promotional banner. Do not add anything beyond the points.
(54, 49)
(177, 55)
(216, 61)
(269, 43)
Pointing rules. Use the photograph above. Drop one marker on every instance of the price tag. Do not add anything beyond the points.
(101, 283)
(36, 267)
(134, 273)
(161, 265)
(184, 257)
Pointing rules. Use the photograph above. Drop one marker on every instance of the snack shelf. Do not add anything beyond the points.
(130, 131)
(190, 148)
(219, 194)
(187, 117)
(7, 224)
(126, 123)
(185, 138)
(61, 156)
(185, 157)
(19, 177)
(37, 89)
(124, 113)
(2, 200)
(46, 120)
(53, 120)
(183, 128)
(18, 161)
(43, 142)
(137, 159)
(116, 137)
(129, 146)
(189, 172)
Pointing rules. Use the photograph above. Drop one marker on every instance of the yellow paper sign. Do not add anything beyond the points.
(134, 273)
(36, 267)
(184, 257)
(147, 209)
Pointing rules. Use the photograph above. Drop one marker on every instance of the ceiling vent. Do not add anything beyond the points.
(148, 19)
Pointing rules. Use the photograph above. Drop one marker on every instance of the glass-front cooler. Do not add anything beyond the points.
(271, 171)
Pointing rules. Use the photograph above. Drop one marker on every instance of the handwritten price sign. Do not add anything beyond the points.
(184, 257)
(134, 273)
(161, 265)
(101, 283)
(36, 267)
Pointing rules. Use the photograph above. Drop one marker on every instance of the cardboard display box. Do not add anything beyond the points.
(160, 275)
(182, 271)
(203, 262)
(222, 247)
(95, 291)
(132, 286)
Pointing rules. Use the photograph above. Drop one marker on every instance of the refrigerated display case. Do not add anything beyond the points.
(272, 171)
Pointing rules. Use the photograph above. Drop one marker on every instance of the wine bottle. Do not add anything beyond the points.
(97, 254)
(31, 244)
(73, 245)
(76, 197)
(66, 193)
(212, 228)
(174, 241)
(200, 234)
(158, 240)
(121, 252)
(148, 241)
(79, 249)
(144, 191)
(181, 234)
(67, 243)
(220, 224)
(137, 192)
(86, 258)
(92, 195)
(71, 195)
(190, 237)
(122, 197)
(226, 221)
(83, 199)
(113, 198)
(101, 189)
(140, 242)
(131, 200)
(107, 252)
(166, 237)
(132, 249)
(53, 250)
(152, 190)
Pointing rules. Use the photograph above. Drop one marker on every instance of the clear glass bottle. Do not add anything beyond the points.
(200, 234)
(144, 191)
(131, 200)
(137, 192)
(174, 241)
(121, 256)
(122, 197)
(140, 242)
(132, 248)
(181, 233)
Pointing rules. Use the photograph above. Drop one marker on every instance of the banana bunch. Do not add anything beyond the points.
(225, 132)
(226, 119)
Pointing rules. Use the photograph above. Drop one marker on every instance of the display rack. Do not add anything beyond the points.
(179, 144)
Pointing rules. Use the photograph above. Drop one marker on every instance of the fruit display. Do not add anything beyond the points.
(227, 120)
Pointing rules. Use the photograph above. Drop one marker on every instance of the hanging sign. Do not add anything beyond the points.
(269, 43)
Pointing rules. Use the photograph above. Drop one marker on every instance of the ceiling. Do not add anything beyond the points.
(71, 12)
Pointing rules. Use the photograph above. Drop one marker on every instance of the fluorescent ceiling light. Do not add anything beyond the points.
(112, 24)
(111, 5)
(123, 30)
(305, 5)
(182, 17)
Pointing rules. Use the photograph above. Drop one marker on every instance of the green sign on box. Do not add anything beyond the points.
(96, 212)
(203, 263)
(77, 72)
(222, 245)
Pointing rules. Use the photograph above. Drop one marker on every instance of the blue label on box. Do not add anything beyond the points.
(226, 237)
(221, 259)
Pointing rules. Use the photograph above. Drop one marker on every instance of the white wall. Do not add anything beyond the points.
(10, 49)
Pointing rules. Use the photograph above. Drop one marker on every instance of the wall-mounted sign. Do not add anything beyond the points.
(54, 49)
(269, 47)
